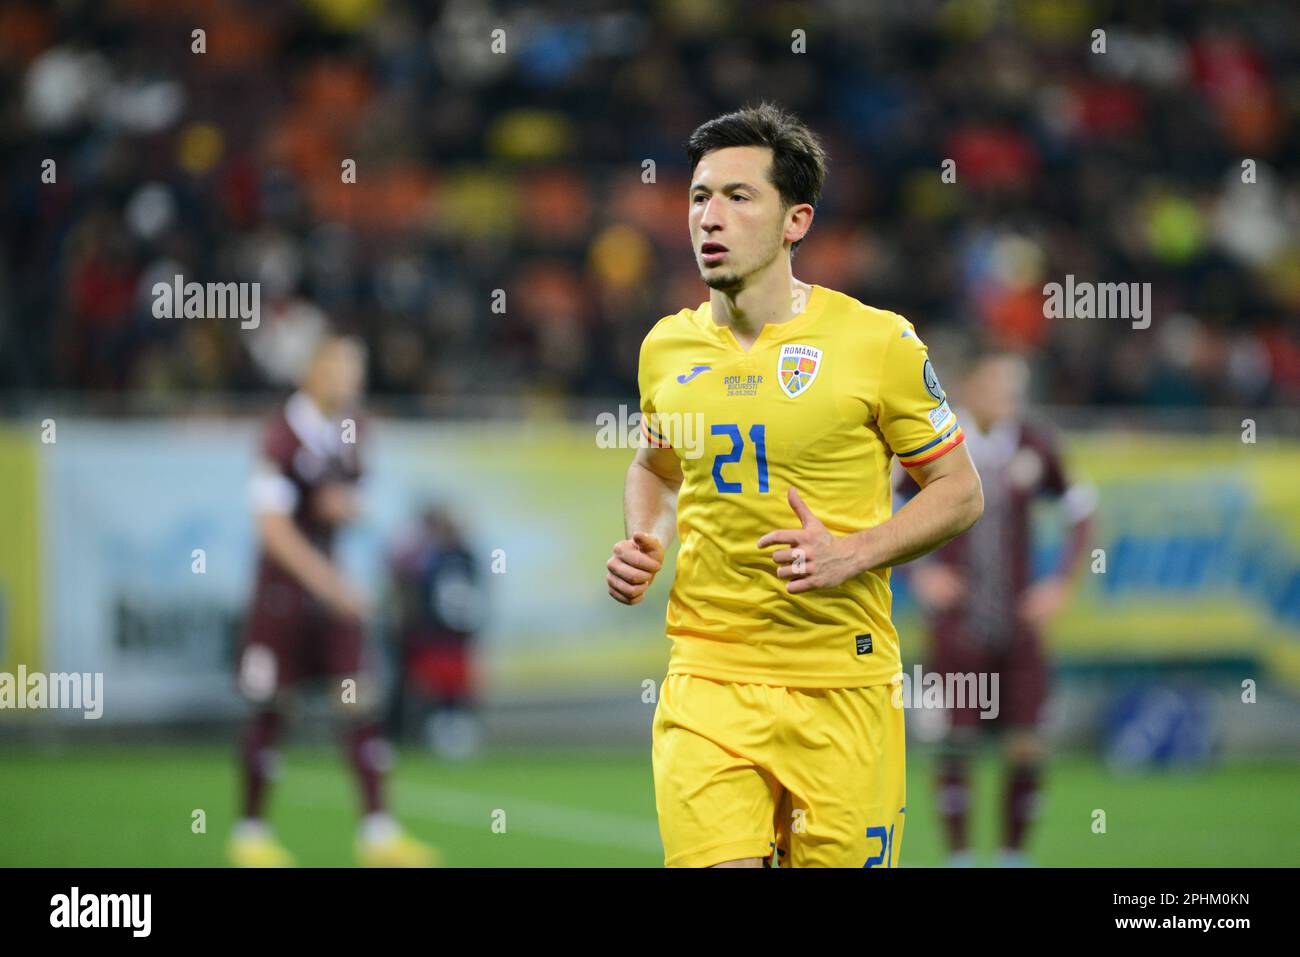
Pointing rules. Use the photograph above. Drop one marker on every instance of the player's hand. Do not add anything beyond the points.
(335, 503)
(815, 558)
(1042, 602)
(938, 586)
(633, 567)
(349, 602)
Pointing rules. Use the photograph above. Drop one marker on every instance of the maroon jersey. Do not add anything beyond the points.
(1017, 463)
(301, 453)
(289, 635)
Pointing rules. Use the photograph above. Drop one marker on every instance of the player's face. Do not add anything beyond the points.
(995, 390)
(340, 373)
(736, 219)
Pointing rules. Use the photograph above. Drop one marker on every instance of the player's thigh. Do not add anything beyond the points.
(342, 659)
(961, 661)
(1023, 684)
(848, 781)
(715, 800)
(271, 661)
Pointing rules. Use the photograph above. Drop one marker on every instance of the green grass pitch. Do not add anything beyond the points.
(134, 806)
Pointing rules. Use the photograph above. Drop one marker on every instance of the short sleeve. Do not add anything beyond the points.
(1079, 499)
(272, 489)
(913, 413)
(1054, 482)
(277, 445)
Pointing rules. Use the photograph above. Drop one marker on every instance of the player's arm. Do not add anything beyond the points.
(914, 418)
(1077, 501)
(1078, 505)
(937, 583)
(649, 520)
(337, 503)
(291, 550)
(915, 421)
(950, 500)
(274, 500)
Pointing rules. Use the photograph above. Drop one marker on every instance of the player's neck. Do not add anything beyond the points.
(772, 298)
(987, 425)
(324, 407)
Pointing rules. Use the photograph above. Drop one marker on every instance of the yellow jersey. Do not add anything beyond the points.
(821, 403)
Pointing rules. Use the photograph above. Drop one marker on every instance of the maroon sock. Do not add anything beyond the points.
(367, 751)
(954, 801)
(1021, 805)
(256, 759)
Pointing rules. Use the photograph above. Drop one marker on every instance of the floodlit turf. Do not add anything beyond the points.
(135, 806)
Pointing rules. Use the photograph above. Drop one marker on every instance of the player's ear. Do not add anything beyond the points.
(798, 220)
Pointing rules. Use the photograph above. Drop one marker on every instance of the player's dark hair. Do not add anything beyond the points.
(981, 350)
(335, 335)
(798, 168)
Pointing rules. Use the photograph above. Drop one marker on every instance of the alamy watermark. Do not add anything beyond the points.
(76, 690)
(179, 299)
(938, 691)
(75, 909)
(1098, 300)
(682, 431)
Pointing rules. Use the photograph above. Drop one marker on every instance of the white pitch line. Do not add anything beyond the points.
(557, 821)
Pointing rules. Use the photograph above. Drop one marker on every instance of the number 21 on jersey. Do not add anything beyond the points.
(757, 435)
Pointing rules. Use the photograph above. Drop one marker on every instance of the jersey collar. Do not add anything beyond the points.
(772, 331)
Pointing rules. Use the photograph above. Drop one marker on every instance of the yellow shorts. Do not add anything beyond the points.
(812, 777)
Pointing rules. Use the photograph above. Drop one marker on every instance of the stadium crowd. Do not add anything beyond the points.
(518, 216)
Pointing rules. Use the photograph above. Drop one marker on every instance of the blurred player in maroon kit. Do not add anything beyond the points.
(306, 620)
(985, 612)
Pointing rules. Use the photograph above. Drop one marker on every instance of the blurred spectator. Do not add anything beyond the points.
(500, 235)
(439, 606)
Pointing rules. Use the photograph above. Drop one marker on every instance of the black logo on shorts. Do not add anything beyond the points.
(864, 644)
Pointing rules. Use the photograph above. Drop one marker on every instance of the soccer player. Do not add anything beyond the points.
(306, 619)
(770, 415)
(986, 613)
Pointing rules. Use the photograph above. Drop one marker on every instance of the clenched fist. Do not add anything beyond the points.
(633, 567)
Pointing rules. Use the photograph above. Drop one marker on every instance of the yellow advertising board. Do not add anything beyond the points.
(20, 569)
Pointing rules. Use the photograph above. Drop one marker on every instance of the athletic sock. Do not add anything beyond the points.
(954, 801)
(1020, 804)
(257, 759)
(378, 827)
(368, 753)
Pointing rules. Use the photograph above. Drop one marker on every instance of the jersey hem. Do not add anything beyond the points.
(783, 680)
